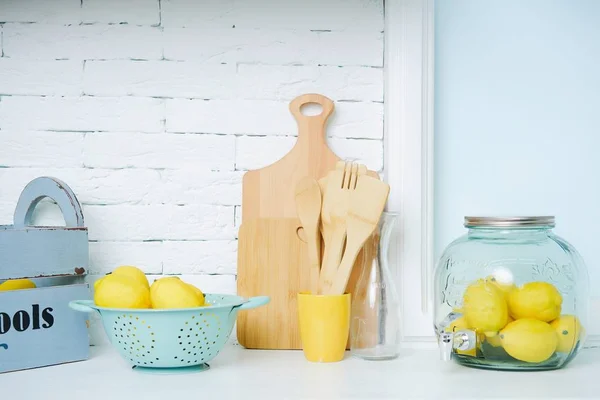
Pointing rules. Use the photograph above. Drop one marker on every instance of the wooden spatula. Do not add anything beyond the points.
(308, 207)
(333, 213)
(367, 202)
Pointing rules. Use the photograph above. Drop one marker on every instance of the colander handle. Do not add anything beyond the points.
(254, 302)
(82, 305)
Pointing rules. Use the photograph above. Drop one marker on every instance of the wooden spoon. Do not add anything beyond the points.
(367, 202)
(308, 207)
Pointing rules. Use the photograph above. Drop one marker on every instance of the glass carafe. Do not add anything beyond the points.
(375, 319)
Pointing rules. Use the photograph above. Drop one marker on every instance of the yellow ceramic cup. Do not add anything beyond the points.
(324, 326)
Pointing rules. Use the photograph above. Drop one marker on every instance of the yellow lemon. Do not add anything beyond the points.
(97, 282)
(17, 284)
(198, 293)
(539, 300)
(505, 287)
(569, 330)
(529, 340)
(133, 272)
(494, 339)
(121, 291)
(484, 307)
(171, 292)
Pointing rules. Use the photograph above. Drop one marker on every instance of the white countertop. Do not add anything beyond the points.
(257, 374)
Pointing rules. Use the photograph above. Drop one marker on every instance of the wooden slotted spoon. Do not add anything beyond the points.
(367, 202)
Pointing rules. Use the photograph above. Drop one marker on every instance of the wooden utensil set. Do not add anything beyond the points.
(342, 209)
(303, 204)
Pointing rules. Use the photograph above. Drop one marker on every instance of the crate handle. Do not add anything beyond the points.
(54, 189)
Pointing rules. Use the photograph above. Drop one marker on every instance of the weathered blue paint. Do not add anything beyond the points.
(32, 251)
(42, 329)
(37, 327)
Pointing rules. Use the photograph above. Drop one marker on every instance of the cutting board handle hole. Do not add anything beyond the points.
(301, 234)
(311, 109)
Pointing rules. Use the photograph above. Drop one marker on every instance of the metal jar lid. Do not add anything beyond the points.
(509, 222)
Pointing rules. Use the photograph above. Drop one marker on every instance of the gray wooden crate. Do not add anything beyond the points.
(37, 328)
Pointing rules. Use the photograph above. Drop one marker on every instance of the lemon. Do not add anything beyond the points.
(97, 282)
(198, 293)
(121, 291)
(133, 272)
(505, 287)
(539, 300)
(17, 284)
(569, 330)
(485, 307)
(171, 292)
(529, 340)
(494, 339)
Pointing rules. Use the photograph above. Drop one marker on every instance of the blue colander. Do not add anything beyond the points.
(171, 340)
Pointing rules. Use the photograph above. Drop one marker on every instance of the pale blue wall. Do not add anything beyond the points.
(517, 124)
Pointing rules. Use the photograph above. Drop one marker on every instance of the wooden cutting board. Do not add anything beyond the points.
(272, 258)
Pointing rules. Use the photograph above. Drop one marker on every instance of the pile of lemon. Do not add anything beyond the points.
(17, 284)
(525, 321)
(128, 287)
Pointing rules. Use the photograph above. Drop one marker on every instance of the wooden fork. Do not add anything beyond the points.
(338, 200)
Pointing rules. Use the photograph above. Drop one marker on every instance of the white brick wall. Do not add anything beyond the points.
(151, 110)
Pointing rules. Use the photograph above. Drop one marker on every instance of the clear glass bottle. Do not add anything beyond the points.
(375, 319)
(510, 294)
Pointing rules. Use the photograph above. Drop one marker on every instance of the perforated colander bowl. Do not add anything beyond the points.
(184, 338)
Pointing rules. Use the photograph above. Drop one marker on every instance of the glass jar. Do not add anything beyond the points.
(375, 315)
(510, 294)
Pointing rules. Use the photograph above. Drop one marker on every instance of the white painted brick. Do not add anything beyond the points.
(265, 117)
(44, 11)
(30, 77)
(102, 187)
(276, 82)
(270, 46)
(284, 14)
(228, 116)
(253, 152)
(35, 149)
(209, 257)
(368, 152)
(106, 256)
(216, 81)
(80, 42)
(195, 186)
(157, 222)
(218, 284)
(119, 150)
(160, 79)
(356, 120)
(238, 216)
(136, 12)
(91, 186)
(82, 113)
(95, 186)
